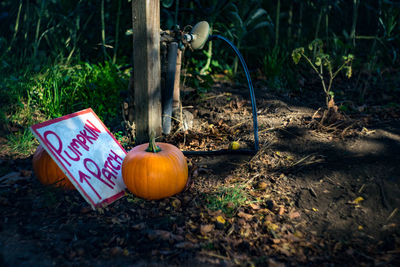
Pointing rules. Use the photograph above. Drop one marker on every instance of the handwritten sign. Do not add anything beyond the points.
(87, 153)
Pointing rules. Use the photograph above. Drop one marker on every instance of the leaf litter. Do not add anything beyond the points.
(297, 201)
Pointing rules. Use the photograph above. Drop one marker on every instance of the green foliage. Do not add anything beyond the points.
(27, 97)
(322, 62)
(243, 24)
(22, 143)
(275, 67)
(43, 44)
(227, 199)
(193, 78)
(61, 90)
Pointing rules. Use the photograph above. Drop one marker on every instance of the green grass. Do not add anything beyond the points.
(29, 97)
(22, 143)
(227, 199)
(61, 90)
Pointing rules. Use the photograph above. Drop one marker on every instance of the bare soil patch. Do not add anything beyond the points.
(308, 197)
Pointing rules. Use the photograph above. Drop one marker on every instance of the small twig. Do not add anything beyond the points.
(361, 189)
(347, 128)
(315, 114)
(216, 96)
(301, 160)
(392, 214)
(312, 192)
(239, 124)
(251, 179)
(270, 129)
(334, 183)
(215, 255)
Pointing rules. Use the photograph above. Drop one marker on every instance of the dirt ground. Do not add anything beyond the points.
(312, 195)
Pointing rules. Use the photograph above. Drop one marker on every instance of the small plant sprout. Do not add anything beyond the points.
(322, 62)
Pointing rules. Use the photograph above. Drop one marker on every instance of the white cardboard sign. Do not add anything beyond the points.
(87, 153)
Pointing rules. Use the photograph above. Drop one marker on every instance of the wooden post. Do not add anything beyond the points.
(146, 68)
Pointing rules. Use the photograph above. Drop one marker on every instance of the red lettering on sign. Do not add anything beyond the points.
(89, 126)
(107, 165)
(116, 158)
(96, 173)
(85, 178)
(74, 146)
(79, 141)
(77, 158)
(87, 137)
(58, 149)
(107, 174)
(82, 141)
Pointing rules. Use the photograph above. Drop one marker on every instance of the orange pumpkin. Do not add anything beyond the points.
(155, 170)
(47, 171)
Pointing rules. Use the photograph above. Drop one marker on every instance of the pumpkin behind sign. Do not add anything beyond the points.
(47, 170)
(155, 170)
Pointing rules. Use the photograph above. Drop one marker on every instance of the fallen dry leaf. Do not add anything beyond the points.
(220, 219)
(262, 185)
(185, 245)
(254, 206)
(176, 203)
(281, 210)
(206, 228)
(245, 216)
(271, 226)
(139, 226)
(159, 234)
(294, 215)
(273, 263)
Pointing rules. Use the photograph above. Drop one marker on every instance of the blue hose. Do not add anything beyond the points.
(249, 83)
(253, 106)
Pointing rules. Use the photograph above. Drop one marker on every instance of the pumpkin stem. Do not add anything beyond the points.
(152, 144)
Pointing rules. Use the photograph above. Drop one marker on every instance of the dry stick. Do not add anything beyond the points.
(237, 125)
(216, 96)
(214, 255)
(315, 113)
(301, 160)
(270, 129)
(392, 214)
(361, 189)
(347, 128)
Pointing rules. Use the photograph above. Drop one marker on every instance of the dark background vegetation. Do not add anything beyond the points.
(60, 56)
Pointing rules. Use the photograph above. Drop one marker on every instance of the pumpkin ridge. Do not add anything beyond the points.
(155, 175)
